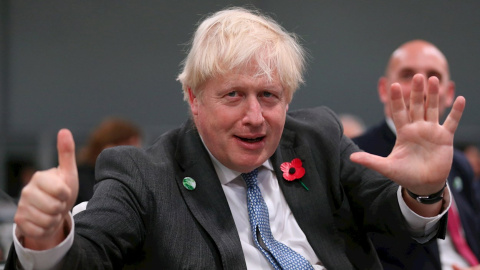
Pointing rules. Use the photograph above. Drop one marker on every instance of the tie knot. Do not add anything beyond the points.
(251, 178)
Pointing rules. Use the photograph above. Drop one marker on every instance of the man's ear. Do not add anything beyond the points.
(192, 101)
(382, 88)
(450, 95)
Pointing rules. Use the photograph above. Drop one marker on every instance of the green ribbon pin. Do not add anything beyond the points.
(189, 183)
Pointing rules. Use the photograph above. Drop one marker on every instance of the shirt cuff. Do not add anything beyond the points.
(423, 228)
(79, 208)
(43, 259)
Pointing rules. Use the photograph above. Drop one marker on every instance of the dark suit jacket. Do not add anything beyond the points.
(398, 253)
(142, 216)
(86, 181)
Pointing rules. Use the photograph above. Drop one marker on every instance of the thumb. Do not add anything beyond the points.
(370, 161)
(66, 152)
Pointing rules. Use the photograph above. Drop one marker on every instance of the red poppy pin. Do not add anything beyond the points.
(293, 170)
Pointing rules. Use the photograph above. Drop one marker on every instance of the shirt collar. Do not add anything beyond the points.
(226, 175)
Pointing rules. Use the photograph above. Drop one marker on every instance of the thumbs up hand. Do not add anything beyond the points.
(46, 200)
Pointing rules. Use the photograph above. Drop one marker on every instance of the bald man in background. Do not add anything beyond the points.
(419, 56)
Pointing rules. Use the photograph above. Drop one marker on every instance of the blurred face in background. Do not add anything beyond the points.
(412, 58)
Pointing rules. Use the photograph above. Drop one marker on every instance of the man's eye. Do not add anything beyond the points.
(407, 76)
(267, 94)
(232, 94)
(436, 74)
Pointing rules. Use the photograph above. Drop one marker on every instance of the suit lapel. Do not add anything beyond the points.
(207, 201)
(311, 208)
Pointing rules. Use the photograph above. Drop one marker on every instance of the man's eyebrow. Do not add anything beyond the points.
(434, 71)
(409, 69)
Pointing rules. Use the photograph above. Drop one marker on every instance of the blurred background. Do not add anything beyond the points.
(72, 63)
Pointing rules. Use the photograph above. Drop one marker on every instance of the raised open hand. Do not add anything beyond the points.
(47, 198)
(422, 156)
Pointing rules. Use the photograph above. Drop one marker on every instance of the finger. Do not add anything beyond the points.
(397, 106)
(431, 111)
(45, 198)
(48, 182)
(453, 118)
(29, 229)
(417, 96)
(29, 214)
(66, 152)
(33, 230)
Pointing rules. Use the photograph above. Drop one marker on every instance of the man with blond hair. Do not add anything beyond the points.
(243, 184)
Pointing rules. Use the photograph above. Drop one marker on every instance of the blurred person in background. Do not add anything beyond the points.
(353, 125)
(471, 149)
(472, 152)
(112, 131)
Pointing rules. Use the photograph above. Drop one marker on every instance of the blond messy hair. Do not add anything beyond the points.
(235, 37)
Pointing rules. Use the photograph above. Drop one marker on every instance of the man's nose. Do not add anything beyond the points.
(254, 112)
(425, 84)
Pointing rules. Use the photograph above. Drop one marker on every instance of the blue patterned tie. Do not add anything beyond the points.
(278, 254)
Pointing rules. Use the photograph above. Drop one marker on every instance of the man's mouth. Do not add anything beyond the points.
(251, 140)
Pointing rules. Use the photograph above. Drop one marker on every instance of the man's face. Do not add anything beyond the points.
(240, 118)
(410, 60)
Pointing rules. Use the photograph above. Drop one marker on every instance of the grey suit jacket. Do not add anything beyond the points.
(141, 215)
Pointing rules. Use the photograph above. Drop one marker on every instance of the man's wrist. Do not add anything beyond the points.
(428, 199)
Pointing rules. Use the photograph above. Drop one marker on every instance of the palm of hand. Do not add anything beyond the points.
(422, 156)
